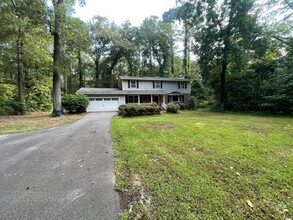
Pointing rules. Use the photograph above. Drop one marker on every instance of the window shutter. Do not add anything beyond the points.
(185, 85)
(153, 84)
(128, 83)
(137, 85)
(178, 85)
(161, 84)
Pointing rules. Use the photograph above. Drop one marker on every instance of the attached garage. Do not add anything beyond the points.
(103, 104)
(103, 99)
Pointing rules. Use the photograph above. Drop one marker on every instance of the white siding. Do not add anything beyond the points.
(148, 85)
(173, 87)
(143, 85)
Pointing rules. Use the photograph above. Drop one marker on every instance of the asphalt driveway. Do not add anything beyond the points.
(61, 173)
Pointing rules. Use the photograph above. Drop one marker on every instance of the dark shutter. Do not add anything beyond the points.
(128, 83)
(178, 85)
(153, 84)
(185, 85)
(161, 84)
(137, 85)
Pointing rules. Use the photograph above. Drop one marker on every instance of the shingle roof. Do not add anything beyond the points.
(153, 78)
(112, 91)
(145, 92)
(103, 91)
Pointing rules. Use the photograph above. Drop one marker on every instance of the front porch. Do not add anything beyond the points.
(162, 99)
(146, 99)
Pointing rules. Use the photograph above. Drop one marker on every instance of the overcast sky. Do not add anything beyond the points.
(121, 10)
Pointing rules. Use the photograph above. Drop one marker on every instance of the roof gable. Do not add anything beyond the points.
(164, 79)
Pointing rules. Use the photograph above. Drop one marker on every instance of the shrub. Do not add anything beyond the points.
(192, 103)
(121, 109)
(75, 103)
(131, 111)
(8, 97)
(153, 104)
(135, 110)
(11, 108)
(172, 108)
(6, 109)
(182, 106)
(8, 92)
(150, 110)
(39, 98)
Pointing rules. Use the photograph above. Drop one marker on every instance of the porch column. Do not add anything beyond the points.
(138, 100)
(151, 98)
(164, 101)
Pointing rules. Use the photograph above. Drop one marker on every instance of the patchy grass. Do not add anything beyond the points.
(200, 165)
(33, 122)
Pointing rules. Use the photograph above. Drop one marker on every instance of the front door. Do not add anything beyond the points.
(156, 99)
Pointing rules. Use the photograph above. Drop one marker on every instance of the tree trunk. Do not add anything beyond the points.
(65, 83)
(80, 70)
(20, 70)
(129, 61)
(70, 83)
(226, 51)
(159, 60)
(186, 56)
(97, 72)
(110, 82)
(223, 86)
(172, 57)
(64, 87)
(57, 60)
(151, 73)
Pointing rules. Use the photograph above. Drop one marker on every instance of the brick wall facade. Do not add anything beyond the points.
(186, 98)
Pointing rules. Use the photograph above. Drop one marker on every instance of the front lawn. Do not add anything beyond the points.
(199, 165)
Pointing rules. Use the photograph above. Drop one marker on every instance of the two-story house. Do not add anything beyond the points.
(138, 90)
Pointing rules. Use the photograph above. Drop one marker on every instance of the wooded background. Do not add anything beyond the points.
(238, 53)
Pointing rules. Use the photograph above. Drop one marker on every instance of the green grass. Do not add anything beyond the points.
(201, 165)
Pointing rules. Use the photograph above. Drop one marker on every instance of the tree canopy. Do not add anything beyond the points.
(238, 53)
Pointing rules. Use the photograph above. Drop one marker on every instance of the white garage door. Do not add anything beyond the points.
(103, 104)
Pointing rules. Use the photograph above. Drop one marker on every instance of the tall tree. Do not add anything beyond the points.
(225, 25)
(101, 33)
(61, 9)
(59, 13)
(156, 41)
(23, 17)
(76, 40)
(187, 14)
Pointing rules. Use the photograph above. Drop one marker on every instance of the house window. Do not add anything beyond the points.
(132, 99)
(182, 85)
(158, 84)
(107, 99)
(176, 98)
(132, 84)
